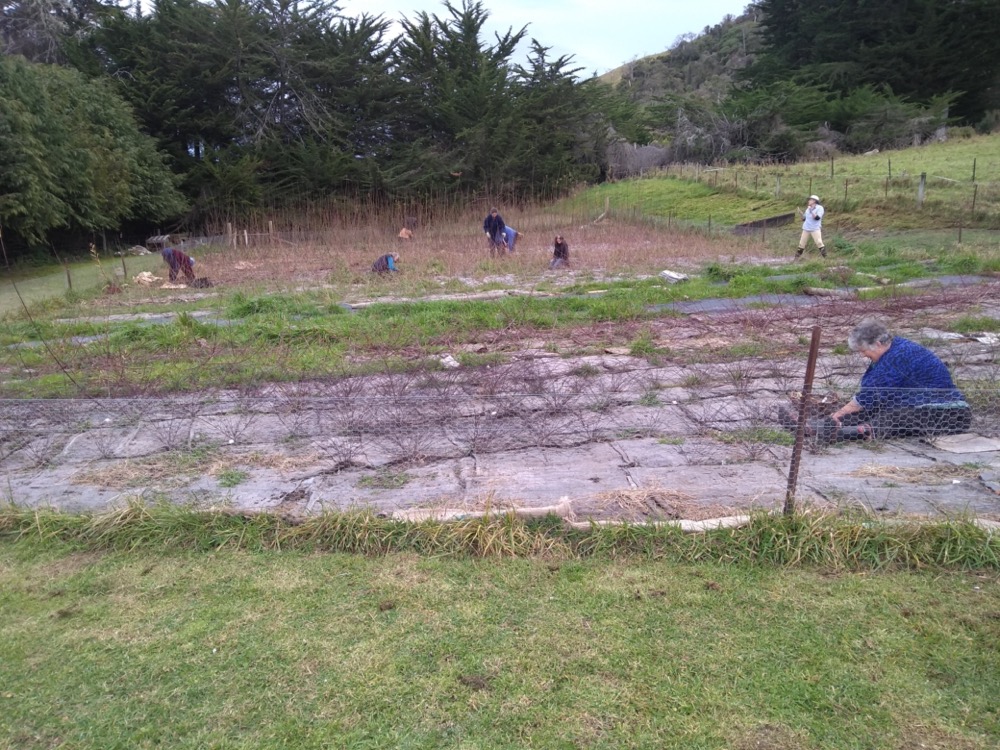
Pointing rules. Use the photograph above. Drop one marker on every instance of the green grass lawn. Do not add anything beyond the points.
(40, 285)
(233, 649)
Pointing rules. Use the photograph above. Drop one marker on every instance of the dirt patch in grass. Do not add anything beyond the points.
(934, 738)
(770, 737)
(68, 565)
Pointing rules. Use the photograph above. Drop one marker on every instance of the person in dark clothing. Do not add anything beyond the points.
(386, 263)
(560, 253)
(179, 262)
(905, 391)
(495, 230)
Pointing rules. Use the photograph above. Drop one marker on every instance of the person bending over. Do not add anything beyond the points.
(386, 263)
(179, 262)
(510, 237)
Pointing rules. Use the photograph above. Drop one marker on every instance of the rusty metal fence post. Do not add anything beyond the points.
(800, 427)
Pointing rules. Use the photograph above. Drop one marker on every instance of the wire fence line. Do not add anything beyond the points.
(413, 423)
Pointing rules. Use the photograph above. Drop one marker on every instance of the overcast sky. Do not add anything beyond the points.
(600, 34)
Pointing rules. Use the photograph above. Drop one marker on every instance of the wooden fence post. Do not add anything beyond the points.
(921, 188)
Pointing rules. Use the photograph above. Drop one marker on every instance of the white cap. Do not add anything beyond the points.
(814, 198)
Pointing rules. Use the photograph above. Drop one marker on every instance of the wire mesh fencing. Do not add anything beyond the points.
(411, 419)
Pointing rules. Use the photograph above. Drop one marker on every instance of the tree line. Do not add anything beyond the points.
(788, 79)
(270, 103)
(188, 111)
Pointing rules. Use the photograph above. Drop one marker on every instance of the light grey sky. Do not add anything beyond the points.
(600, 34)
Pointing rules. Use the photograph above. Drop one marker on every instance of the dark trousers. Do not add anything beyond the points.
(907, 421)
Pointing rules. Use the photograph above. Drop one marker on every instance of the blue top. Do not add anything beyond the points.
(907, 374)
(175, 258)
(812, 218)
(511, 237)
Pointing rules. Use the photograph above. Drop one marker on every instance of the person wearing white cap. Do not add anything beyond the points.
(812, 226)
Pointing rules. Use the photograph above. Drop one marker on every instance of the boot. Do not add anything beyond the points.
(798, 253)
(823, 428)
(822, 251)
(855, 432)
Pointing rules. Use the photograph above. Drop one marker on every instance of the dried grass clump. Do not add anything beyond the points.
(829, 541)
(648, 500)
(917, 474)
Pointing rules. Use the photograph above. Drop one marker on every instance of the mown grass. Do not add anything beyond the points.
(144, 643)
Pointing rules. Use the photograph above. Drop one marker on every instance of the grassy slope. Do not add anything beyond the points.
(243, 650)
(737, 194)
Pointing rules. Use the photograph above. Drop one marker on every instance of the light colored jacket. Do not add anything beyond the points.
(812, 218)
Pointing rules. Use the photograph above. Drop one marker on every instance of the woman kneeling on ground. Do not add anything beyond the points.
(905, 391)
(560, 253)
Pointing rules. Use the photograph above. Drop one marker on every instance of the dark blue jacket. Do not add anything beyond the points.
(906, 375)
(494, 226)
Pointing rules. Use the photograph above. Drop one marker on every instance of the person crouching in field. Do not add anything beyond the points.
(179, 262)
(906, 391)
(386, 263)
(560, 253)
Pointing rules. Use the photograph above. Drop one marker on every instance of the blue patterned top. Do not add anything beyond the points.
(908, 374)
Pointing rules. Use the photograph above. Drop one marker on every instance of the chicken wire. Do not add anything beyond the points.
(392, 420)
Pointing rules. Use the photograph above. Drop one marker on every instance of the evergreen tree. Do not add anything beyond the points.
(71, 156)
(919, 49)
(456, 111)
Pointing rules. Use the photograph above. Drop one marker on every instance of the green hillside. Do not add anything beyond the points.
(876, 191)
(706, 64)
